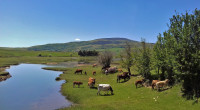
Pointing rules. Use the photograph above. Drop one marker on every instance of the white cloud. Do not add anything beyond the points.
(77, 39)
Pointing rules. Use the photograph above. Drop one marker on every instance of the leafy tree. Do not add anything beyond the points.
(105, 58)
(159, 57)
(142, 58)
(127, 57)
(88, 53)
(180, 52)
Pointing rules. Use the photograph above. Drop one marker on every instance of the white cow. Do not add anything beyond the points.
(104, 87)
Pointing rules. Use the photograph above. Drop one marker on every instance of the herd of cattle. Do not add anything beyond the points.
(155, 84)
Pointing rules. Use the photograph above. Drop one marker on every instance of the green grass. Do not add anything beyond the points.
(56, 68)
(36, 60)
(23, 52)
(125, 97)
(3, 72)
(10, 56)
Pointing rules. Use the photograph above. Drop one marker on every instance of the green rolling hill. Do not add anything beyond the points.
(114, 44)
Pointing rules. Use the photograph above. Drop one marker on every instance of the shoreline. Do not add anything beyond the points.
(4, 75)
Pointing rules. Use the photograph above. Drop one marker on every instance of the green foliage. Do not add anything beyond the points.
(88, 53)
(177, 53)
(159, 56)
(142, 57)
(127, 57)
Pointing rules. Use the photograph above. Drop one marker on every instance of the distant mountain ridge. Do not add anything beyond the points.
(97, 44)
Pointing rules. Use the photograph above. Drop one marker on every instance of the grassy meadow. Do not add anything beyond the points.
(16, 56)
(6, 52)
(126, 96)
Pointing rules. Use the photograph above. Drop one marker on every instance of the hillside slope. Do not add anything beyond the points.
(97, 44)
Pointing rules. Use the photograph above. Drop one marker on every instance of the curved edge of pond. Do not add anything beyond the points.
(8, 75)
(59, 79)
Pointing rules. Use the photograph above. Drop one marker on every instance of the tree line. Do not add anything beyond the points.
(88, 53)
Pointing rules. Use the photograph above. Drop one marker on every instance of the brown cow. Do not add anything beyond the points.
(161, 84)
(120, 70)
(77, 83)
(153, 84)
(123, 76)
(78, 71)
(94, 72)
(91, 82)
(139, 82)
(94, 65)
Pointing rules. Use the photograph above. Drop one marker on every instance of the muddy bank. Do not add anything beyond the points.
(4, 75)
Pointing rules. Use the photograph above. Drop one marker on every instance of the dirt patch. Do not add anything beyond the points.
(4, 76)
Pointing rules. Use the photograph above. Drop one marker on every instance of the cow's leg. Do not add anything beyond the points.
(157, 87)
(98, 93)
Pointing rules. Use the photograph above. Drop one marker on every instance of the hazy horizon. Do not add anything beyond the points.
(34, 22)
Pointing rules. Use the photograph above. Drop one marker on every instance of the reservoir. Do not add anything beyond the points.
(31, 88)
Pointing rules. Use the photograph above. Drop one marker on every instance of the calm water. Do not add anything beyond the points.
(31, 88)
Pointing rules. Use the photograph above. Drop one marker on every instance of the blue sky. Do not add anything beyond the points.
(26, 23)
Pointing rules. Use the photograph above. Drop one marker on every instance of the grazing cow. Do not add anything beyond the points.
(123, 76)
(112, 69)
(94, 72)
(77, 83)
(105, 68)
(146, 83)
(153, 84)
(104, 87)
(162, 84)
(94, 65)
(120, 70)
(91, 82)
(78, 71)
(141, 82)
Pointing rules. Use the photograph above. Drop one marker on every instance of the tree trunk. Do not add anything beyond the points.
(129, 70)
(162, 76)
